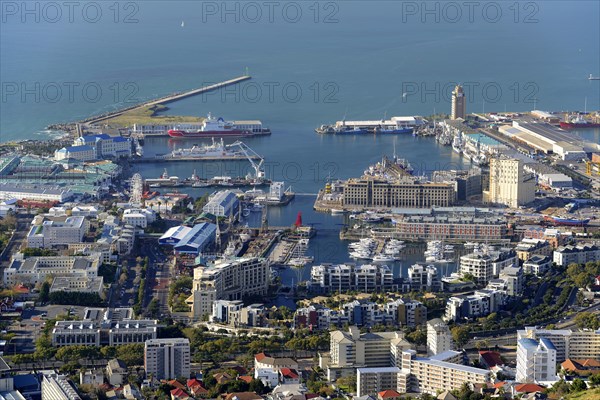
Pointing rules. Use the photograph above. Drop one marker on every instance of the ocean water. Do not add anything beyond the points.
(311, 62)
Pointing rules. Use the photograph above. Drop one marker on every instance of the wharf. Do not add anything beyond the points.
(160, 101)
(205, 183)
(159, 159)
(321, 205)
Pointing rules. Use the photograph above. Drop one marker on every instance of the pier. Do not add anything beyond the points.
(160, 101)
(176, 159)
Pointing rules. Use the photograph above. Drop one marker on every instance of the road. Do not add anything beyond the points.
(158, 275)
(23, 225)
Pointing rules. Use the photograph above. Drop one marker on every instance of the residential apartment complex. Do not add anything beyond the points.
(437, 373)
(465, 227)
(57, 387)
(579, 254)
(233, 312)
(479, 304)
(401, 312)
(487, 264)
(343, 277)
(351, 350)
(439, 338)
(370, 381)
(577, 345)
(167, 358)
(227, 279)
(536, 360)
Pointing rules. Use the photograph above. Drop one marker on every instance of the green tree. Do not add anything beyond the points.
(418, 337)
(460, 334)
(578, 385)
(257, 386)
(44, 292)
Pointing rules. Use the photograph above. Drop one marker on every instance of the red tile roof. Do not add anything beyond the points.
(196, 386)
(529, 388)
(179, 394)
(289, 373)
(491, 358)
(245, 378)
(386, 394)
(498, 385)
(260, 356)
(243, 396)
(175, 383)
(240, 370)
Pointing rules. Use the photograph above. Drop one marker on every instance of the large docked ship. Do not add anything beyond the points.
(578, 122)
(566, 221)
(218, 127)
(216, 150)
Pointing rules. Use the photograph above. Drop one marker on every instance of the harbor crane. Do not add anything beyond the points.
(251, 155)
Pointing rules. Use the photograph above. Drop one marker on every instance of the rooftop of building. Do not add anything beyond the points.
(491, 358)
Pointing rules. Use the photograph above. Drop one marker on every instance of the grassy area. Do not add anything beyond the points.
(591, 394)
(147, 115)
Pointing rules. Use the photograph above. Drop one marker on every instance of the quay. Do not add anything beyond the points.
(160, 101)
(159, 159)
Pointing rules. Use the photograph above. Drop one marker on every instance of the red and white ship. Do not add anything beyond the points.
(215, 127)
(578, 122)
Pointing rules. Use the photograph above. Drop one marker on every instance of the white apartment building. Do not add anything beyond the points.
(579, 254)
(487, 265)
(139, 217)
(513, 276)
(537, 265)
(57, 387)
(167, 358)
(577, 345)
(53, 232)
(437, 373)
(423, 278)
(536, 361)
(227, 279)
(439, 338)
(370, 381)
(479, 304)
(33, 270)
(81, 153)
(263, 361)
(233, 313)
(351, 350)
(343, 277)
(112, 326)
